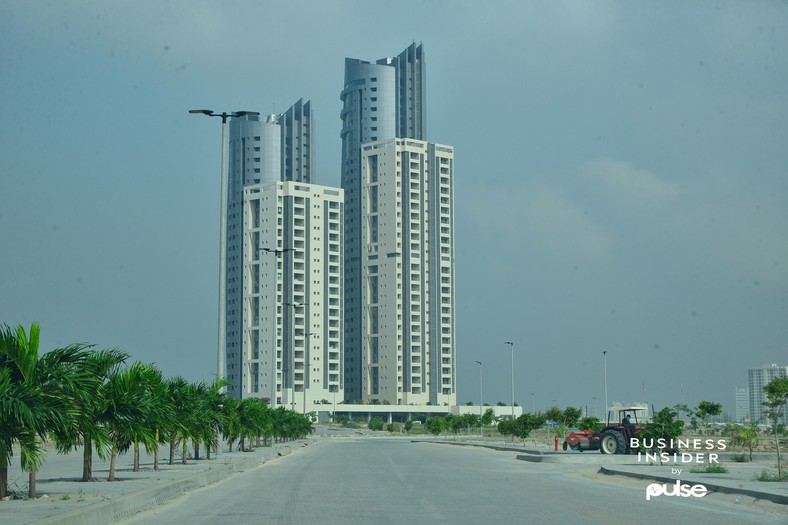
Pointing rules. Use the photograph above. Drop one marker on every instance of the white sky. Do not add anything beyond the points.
(621, 177)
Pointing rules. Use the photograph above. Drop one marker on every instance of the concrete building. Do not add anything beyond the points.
(291, 335)
(283, 265)
(381, 100)
(742, 404)
(407, 268)
(757, 379)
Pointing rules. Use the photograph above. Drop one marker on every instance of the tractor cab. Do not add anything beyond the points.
(614, 438)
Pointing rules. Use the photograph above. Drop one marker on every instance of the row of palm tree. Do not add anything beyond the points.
(79, 396)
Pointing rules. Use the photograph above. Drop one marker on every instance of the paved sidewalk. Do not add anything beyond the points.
(738, 480)
(64, 500)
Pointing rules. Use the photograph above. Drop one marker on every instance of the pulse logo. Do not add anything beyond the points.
(683, 491)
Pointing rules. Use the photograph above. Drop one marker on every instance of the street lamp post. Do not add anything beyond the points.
(511, 344)
(291, 353)
(222, 217)
(306, 364)
(277, 253)
(481, 397)
(607, 416)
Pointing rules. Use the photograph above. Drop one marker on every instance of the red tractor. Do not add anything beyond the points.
(612, 439)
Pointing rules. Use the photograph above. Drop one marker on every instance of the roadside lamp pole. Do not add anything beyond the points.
(306, 364)
(220, 359)
(291, 354)
(511, 344)
(607, 416)
(481, 397)
(277, 253)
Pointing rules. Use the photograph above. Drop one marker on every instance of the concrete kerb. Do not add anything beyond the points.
(776, 498)
(623, 460)
(145, 499)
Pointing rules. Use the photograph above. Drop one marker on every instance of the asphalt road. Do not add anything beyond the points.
(376, 481)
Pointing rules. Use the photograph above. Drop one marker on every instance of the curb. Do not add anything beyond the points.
(776, 498)
(146, 499)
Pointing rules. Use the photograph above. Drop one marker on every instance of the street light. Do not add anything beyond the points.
(511, 344)
(306, 347)
(481, 397)
(291, 353)
(222, 217)
(607, 416)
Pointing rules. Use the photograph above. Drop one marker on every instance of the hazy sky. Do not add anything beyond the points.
(621, 177)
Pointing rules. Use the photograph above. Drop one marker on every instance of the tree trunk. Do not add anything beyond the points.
(196, 449)
(31, 484)
(87, 460)
(136, 467)
(207, 450)
(172, 450)
(3, 475)
(156, 458)
(779, 462)
(112, 459)
(183, 456)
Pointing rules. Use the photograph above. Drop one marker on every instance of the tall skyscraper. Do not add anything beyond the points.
(382, 101)
(284, 263)
(407, 273)
(757, 378)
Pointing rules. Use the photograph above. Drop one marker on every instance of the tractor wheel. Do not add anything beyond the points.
(612, 442)
(565, 445)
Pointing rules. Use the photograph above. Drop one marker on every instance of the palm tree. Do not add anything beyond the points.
(161, 414)
(231, 425)
(181, 396)
(127, 407)
(213, 414)
(31, 389)
(88, 427)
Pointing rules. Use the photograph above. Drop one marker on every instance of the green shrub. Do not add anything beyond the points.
(709, 469)
(376, 423)
(769, 475)
(390, 427)
(741, 458)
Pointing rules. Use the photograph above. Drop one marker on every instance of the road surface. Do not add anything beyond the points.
(378, 481)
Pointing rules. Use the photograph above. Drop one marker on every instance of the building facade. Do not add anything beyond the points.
(283, 292)
(407, 268)
(291, 335)
(757, 378)
(742, 404)
(381, 100)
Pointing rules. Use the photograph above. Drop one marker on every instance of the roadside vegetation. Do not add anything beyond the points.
(79, 397)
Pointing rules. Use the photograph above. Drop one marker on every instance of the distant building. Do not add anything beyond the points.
(742, 404)
(757, 379)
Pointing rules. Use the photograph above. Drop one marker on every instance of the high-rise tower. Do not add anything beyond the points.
(382, 101)
(284, 264)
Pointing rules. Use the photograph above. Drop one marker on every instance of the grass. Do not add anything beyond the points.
(769, 475)
(709, 469)
(741, 458)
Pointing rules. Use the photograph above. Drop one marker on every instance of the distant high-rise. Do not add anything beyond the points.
(757, 379)
(380, 101)
(742, 404)
(283, 266)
